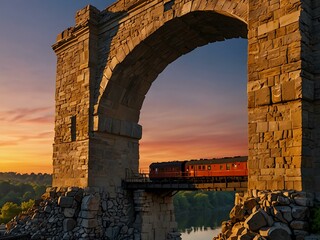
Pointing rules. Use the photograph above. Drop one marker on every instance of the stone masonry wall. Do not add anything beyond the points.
(79, 214)
(75, 68)
(280, 95)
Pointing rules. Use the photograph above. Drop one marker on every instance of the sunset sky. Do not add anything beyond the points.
(195, 109)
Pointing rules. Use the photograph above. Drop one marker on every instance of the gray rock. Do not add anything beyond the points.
(283, 226)
(303, 201)
(89, 223)
(283, 200)
(47, 209)
(69, 212)
(299, 225)
(65, 202)
(88, 214)
(300, 213)
(255, 221)
(90, 203)
(285, 211)
(275, 233)
(249, 204)
(237, 213)
(69, 224)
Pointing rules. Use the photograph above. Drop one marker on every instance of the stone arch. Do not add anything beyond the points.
(178, 30)
(128, 75)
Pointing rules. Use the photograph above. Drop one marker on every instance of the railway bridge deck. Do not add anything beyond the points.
(143, 182)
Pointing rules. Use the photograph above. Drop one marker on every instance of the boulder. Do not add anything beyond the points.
(303, 201)
(237, 229)
(299, 225)
(65, 202)
(237, 213)
(249, 204)
(69, 224)
(89, 223)
(285, 211)
(275, 233)
(300, 213)
(90, 203)
(255, 221)
(283, 200)
(69, 212)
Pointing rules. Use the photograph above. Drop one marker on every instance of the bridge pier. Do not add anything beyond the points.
(155, 215)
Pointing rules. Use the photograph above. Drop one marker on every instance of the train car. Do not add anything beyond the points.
(223, 167)
(167, 170)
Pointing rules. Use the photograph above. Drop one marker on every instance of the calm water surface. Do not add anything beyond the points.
(201, 233)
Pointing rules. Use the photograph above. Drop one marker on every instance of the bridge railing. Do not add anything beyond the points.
(131, 176)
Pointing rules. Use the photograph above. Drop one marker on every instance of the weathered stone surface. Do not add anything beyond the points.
(271, 219)
(65, 202)
(237, 213)
(255, 221)
(300, 213)
(69, 212)
(303, 201)
(90, 203)
(285, 213)
(299, 225)
(277, 233)
(68, 224)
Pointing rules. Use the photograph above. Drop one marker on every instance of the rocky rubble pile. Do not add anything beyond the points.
(277, 215)
(75, 213)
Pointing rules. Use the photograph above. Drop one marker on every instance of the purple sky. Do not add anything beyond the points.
(195, 109)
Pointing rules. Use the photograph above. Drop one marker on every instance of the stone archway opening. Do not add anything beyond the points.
(197, 107)
(131, 79)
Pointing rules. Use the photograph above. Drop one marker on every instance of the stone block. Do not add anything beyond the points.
(262, 96)
(69, 212)
(289, 18)
(89, 223)
(299, 225)
(268, 27)
(90, 203)
(88, 214)
(262, 127)
(288, 91)
(255, 221)
(65, 202)
(68, 224)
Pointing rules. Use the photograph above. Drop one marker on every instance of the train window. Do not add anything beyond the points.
(209, 167)
(221, 167)
(228, 166)
(191, 167)
(199, 167)
(203, 167)
(235, 165)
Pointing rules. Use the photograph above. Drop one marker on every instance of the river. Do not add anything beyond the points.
(199, 233)
(201, 225)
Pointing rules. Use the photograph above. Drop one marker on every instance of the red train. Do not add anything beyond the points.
(210, 169)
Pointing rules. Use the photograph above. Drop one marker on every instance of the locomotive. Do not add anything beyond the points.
(222, 169)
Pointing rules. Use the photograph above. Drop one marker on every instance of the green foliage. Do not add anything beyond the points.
(17, 192)
(202, 208)
(38, 179)
(8, 211)
(26, 205)
(315, 220)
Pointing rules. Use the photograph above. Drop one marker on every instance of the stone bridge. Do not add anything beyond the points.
(107, 62)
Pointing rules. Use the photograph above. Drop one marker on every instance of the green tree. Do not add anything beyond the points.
(9, 210)
(26, 205)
